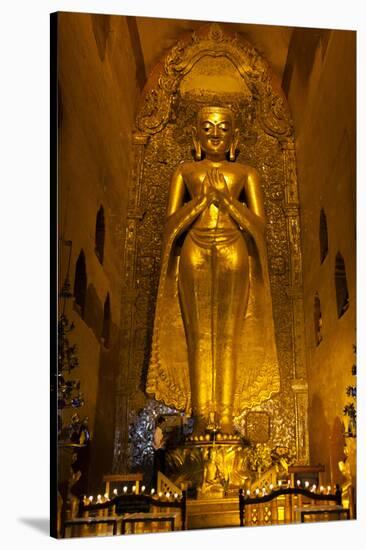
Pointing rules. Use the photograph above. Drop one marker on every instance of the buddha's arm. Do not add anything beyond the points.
(176, 193)
(254, 196)
(250, 217)
(180, 215)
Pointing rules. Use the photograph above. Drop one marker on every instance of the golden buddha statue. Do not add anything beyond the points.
(213, 349)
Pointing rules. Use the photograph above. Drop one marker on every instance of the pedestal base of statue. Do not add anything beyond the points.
(212, 512)
(211, 468)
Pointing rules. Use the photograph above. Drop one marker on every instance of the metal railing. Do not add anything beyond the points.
(281, 505)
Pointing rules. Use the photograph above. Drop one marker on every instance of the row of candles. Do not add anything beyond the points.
(174, 496)
(286, 485)
(105, 498)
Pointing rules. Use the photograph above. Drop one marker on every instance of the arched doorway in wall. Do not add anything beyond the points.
(323, 236)
(100, 235)
(318, 320)
(80, 284)
(106, 329)
(341, 286)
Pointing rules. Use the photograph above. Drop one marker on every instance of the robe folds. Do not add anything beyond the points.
(257, 375)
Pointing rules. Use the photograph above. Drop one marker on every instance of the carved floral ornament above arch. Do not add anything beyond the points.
(210, 40)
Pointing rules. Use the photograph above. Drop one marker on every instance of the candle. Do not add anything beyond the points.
(298, 483)
(160, 494)
(125, 489)
(134, 488)
(321, 488)
(99, 498)
(313, 488)
(257, 491)
(115, 492)
(152, 491)
(289, 482)
(106, 496)
(248, 492)
(280, 483)
(306, 484)
(329, 489)
(167, 494)
(91, 498)
(271, 486)
(143, 488)
(175, 495)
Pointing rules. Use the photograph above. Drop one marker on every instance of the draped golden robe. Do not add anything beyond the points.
(197, 289)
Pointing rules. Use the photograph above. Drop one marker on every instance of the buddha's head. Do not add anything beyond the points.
(215, 134)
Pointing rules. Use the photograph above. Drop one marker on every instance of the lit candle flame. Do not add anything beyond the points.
(298, 482)
(125, 489)
(115, 492)
(307, 484)
(152, 491)
(143, 488)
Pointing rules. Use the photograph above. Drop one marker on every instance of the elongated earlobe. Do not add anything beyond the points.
(232, 152)
(198, 151)
(233, 145)
(197, 145)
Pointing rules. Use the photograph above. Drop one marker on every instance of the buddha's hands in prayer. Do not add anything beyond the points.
(217, 181)
(208, 191)
(214, 186)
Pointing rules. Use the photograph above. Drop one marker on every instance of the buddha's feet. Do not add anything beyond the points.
(225, 428)
(199, 426)
(226, 425)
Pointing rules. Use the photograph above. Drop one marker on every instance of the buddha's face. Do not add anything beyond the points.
(215, 131)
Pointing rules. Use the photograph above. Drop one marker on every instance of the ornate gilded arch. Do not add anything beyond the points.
(210, 40)
(162, 140)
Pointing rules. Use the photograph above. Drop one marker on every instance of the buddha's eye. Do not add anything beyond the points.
(206, 127)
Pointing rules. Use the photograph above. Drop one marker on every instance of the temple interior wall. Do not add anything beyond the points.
(98, 86)
(322, 100)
